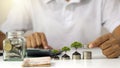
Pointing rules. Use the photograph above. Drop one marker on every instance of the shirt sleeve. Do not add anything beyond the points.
(111, 14)
(18, 19)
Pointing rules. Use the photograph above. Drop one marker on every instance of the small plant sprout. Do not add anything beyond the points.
(65, 49)
(65, 56)
(54, 51)
(76, 45)
(76, 55)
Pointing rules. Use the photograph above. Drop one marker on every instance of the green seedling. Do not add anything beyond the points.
(65, 49)
(76, 45)
(76, 55)
(54, 51)
(65, 56)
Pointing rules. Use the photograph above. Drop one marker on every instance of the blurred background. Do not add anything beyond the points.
(5, 6)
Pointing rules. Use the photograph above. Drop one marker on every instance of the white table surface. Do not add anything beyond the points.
(98, 61)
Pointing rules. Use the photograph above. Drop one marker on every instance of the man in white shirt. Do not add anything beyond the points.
(66, 21)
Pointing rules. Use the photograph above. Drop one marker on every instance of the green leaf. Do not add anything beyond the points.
(65, 49)
(76, 45)
(54, 51)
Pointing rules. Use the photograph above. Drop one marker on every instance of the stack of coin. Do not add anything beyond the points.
(76, 56)
(87, 55)
(65, 57)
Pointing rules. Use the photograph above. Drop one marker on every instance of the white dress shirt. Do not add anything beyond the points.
(64, 22)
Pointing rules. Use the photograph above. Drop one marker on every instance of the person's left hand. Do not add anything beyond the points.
(2, 37)
(110, 45)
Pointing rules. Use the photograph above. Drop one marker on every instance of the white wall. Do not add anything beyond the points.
(5, 6)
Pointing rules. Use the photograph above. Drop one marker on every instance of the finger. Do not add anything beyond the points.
(110, 50)
(100, 40)
(33, 42)
(40, 46)
(44, 41)
(37, 39)
(115, 54)
(106, 45)
(28, 42)
(49, 47)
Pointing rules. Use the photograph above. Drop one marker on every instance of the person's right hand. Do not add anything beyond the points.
(37, 40)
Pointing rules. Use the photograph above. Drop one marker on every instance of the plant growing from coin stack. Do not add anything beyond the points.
(65, 56)
(76, 54)
(55, 56)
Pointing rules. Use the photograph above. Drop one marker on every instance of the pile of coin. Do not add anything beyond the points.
(85, 54)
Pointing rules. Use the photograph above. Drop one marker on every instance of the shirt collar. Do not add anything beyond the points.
(71, 1)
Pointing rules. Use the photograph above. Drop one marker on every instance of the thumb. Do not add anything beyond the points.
(100, 40)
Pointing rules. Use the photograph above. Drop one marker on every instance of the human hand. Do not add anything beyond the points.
(37, 40)
(109, 44)
(2, 37)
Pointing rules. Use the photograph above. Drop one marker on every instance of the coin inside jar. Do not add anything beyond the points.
(7, 46)
(14, 46)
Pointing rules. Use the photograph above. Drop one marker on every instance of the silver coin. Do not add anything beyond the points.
(87, 55)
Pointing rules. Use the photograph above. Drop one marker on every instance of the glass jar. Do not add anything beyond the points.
(14, 46)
